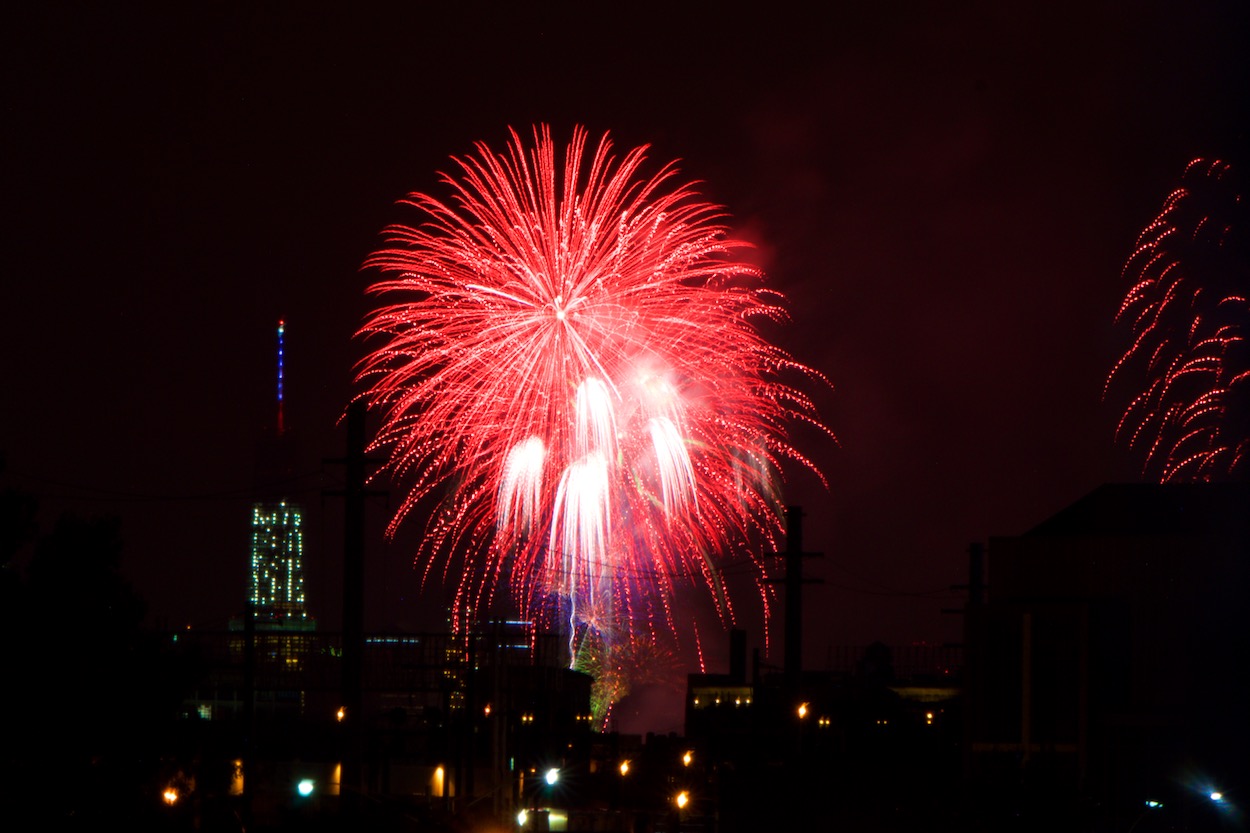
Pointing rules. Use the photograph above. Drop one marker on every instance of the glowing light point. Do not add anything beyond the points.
(305, 787)
(552, 776)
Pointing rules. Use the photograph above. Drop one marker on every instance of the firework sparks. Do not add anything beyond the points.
(573, 384)
(620, 669)
(1190, 315)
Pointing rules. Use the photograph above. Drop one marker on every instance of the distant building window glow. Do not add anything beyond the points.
(276, 585)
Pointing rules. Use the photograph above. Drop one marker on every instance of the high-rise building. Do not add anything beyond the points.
(276, 604)
(276, 581)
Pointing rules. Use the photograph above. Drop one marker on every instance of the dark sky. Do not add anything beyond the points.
(946, 193)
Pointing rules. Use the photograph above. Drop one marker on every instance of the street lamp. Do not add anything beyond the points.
(553, 775)
(1151, 804)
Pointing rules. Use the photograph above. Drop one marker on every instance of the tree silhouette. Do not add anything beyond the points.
(89, 693)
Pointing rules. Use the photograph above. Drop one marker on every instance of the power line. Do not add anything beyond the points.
(102, 494)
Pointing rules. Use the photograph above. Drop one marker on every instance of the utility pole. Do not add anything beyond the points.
(794, 582)
(974, 630)
(355, 463)
(248, 759)
(976, 580)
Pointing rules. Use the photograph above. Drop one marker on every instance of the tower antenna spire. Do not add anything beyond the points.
(281, 334)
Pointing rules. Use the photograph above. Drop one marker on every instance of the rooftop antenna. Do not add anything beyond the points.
(281, 333)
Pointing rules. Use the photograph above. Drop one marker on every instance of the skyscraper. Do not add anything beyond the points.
(276, 581)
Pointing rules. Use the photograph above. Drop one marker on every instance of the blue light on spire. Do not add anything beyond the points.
(281, 333)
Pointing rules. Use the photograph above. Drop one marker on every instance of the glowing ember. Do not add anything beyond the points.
(573, 384)
(1190, 313)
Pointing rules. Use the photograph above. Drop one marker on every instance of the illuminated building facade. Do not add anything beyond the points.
(275, 594)
(276, 581)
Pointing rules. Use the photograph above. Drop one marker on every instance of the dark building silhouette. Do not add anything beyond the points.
(1104, 672)
(453, 724)
(849, 744)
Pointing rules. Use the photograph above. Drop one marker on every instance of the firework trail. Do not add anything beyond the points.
(618, 670)
(573, 386)
(1190, 320)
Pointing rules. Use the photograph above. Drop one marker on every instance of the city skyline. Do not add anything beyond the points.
(948, 200)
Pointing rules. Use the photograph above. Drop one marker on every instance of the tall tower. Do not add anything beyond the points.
(276, 567)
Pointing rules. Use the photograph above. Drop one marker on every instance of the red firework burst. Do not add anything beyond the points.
(1190, 319)
(568, 364)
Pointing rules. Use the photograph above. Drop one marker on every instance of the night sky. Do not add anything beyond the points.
(945, 193)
